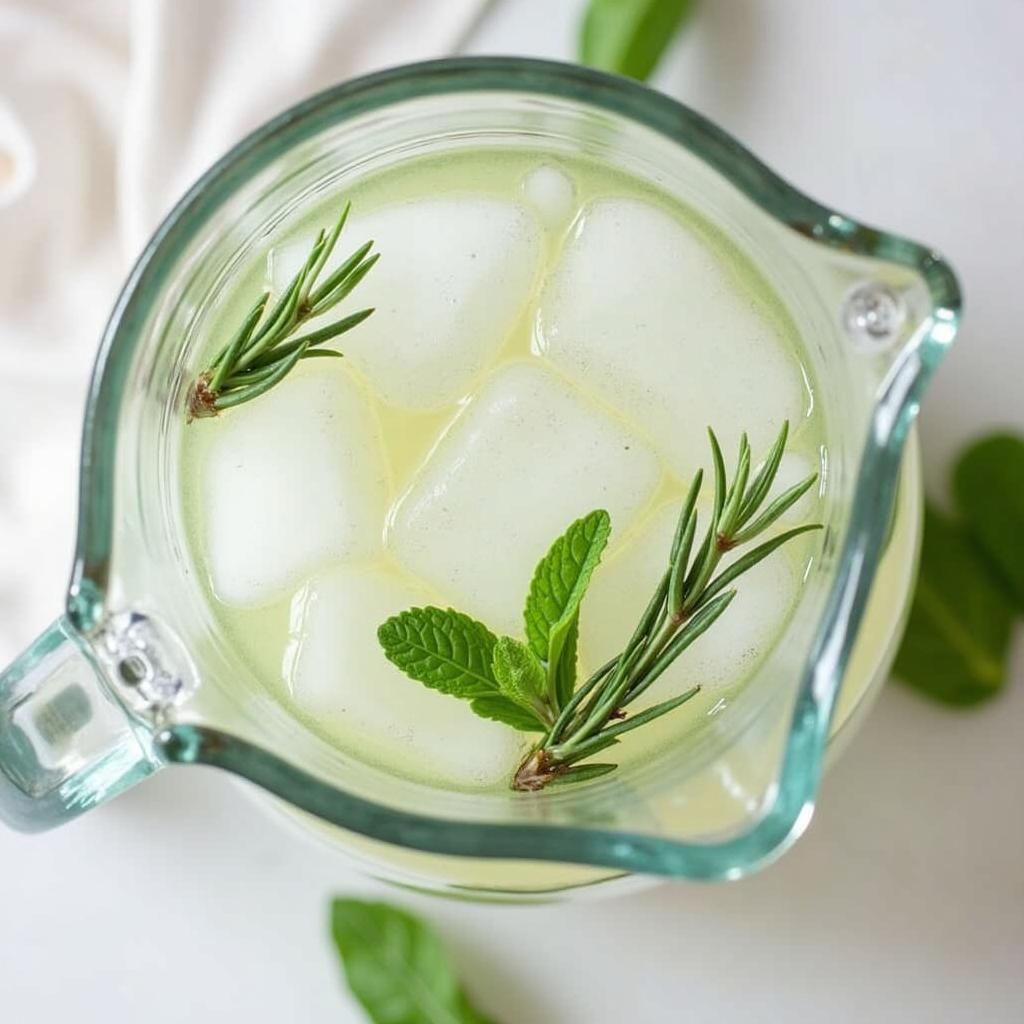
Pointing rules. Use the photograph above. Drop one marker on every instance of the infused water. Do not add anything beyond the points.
(550, 336)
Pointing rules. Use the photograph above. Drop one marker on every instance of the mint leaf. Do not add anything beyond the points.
(989, 487)
(508, 712)
(443, 649)
(454, 654)
(397, 967)
(519, 672)
(629, 36)
(958, 633)
(559, 583)
(565, 668)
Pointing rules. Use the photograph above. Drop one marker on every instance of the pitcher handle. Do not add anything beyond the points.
(67, 742)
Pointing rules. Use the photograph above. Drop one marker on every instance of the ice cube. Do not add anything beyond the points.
(339, 676)
(552, 195)
(648, 314)
(727, 652)
(526, 457)
(453, 279)
(290, 482)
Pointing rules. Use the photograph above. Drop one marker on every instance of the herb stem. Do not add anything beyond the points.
(688, 600)
(263, 350)
(531, 685)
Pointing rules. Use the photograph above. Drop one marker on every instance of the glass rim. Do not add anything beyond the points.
(894, 412)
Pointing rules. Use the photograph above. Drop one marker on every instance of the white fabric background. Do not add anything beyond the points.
(109, 109)
(903, 903)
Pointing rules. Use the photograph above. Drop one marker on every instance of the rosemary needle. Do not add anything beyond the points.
(264, 349)
(688, 601)
(531, 685)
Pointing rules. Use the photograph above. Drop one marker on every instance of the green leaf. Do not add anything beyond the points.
(258, 358)
(502, 709)
(228, 357)
(751, 558)
(519, 672)
(682, 544)
(397, 967)
(720, 485)
(958, 634)
(629, 36)
(339, 275)
(704, 618)
(610, 733)
(443, 649)
(582, 773)
(241, 395)
(313, 338)
(765, 477)
(778, 507)
(734, 499)
(989, 487)
(559, 583)
(565, 667)
(454, 654)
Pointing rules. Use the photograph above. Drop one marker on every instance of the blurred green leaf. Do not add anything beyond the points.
(957, 637)
(629, 36)
(397, 967)
(989, 487)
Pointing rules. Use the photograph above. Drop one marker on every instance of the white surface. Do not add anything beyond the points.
(903, 903)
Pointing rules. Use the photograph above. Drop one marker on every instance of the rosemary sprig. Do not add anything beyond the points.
(263, 351)
(532, 686)
(688, 601)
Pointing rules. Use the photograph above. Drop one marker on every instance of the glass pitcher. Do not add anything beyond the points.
(134, 676)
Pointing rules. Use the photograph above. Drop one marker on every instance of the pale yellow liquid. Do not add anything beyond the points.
(261, 635)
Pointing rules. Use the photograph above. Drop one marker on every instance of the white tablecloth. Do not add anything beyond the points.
(109, 109)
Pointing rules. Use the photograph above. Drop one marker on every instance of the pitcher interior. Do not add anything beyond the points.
(709, 771)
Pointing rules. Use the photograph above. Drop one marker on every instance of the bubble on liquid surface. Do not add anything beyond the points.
(338, 675)
(453, 278)
(291, 481)
(646, 314)
(552, 195)
(525, 458)
(723, 655)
